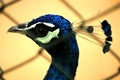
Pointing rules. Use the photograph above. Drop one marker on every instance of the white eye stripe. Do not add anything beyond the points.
(45, 23)
(49, 24)
(32, 26)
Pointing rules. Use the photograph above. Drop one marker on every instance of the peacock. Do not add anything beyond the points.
(54, 33)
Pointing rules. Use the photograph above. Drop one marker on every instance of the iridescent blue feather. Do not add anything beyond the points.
(64, 54)
(107, 31)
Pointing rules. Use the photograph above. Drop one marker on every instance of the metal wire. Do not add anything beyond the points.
(106, 12)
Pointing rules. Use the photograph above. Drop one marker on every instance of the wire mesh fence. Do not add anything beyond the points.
(82, 22)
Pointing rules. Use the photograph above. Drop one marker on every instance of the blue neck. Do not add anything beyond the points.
(64, 60)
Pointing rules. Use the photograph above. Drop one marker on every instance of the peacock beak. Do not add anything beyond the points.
(18, 29)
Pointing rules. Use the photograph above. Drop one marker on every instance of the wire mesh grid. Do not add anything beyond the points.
(84, 21)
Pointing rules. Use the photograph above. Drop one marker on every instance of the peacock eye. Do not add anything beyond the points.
(41, 30)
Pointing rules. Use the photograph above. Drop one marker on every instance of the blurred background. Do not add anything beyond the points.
(93, 64)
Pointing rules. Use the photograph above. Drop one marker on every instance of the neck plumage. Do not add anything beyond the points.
(64, 60)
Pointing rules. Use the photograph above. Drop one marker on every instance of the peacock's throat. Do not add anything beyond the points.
(64, 60)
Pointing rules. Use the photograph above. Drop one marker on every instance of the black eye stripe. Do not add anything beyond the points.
(48, 28)
(52, 29)
(42, 29)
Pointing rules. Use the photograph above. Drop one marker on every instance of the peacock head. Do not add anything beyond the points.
(45, 30)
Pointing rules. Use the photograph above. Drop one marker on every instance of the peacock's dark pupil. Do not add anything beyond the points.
(41, 30)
